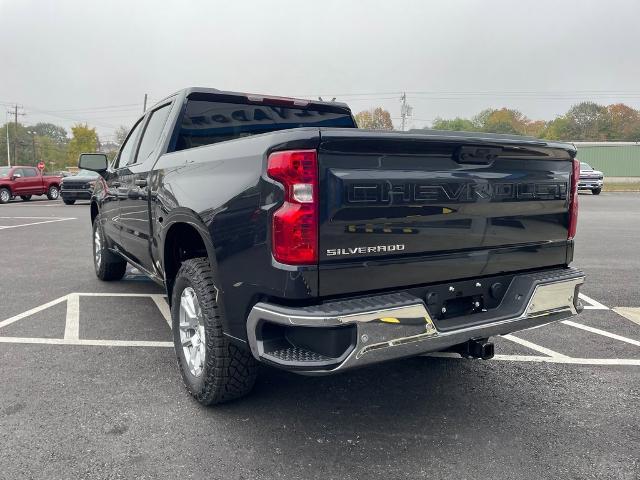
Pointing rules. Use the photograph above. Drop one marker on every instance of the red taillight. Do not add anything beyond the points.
(573, 199)
(295, 223)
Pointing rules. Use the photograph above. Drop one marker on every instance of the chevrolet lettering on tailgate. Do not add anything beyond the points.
(387, 192)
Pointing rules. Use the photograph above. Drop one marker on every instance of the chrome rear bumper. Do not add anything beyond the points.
(399, 325)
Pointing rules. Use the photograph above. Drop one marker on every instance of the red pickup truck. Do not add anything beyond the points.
(24, 182)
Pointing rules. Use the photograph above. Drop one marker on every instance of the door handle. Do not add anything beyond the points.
(141, 183)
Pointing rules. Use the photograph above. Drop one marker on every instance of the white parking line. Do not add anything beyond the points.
(535, 347)
(58, 204)
(602, 332)
(539, 359)
(163, 306)
(594, 305)
(83, 342)
(72, 324)
(36, 218)
(5, 227)
(570, 360)
(106, 294)
(629, 313)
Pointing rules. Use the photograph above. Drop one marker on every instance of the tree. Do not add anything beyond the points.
(625, 122)
(480, 119)
(50, 144)
(535, 128)
(590, 121)
(457, 124)
(375, 119)
(559, 129)
(49, 130)
(21, 138)
(121, 134)
(504, 120)
(52, 154)
(83, 140)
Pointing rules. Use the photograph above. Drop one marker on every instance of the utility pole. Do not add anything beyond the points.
(15, 135)
(15, 132)
(6, 127)
(405, 109)
(33, 139)
(144, 108)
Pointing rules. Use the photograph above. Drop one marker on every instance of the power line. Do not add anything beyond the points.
(481, 92)
(76, 119)
(106, 107)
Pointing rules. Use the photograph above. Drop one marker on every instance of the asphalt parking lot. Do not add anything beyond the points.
(90, 389)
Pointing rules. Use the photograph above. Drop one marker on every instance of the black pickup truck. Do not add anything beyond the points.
(285, 235)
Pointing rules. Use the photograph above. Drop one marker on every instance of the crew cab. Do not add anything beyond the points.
(24, 182)
(285, 235)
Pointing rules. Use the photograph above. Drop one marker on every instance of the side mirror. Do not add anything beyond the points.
(16, 175)
(96, 162)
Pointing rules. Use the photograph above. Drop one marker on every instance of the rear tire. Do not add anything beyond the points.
(108, 265)
(25, 198)
(53, 193)
(225, 371)
(68, 201)
(5, 195)
(596, 191)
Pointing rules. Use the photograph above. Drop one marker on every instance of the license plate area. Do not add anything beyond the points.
(463, 298)
(456, 307)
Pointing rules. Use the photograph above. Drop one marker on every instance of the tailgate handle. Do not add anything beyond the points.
(477, 155)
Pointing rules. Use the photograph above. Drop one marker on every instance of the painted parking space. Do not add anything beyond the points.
(95, 318)
(100, 407)
(613, 340)
(104, 319)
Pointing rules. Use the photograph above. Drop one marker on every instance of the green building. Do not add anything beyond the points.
(614, 159)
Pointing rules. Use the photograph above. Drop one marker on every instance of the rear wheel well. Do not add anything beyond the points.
(181, 243)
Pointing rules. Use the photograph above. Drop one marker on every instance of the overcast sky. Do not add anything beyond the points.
(453, 58)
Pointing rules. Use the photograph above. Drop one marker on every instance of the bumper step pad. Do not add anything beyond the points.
(297, 354)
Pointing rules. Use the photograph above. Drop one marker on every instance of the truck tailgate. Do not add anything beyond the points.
(409, 209)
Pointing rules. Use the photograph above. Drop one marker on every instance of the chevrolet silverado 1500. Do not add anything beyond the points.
(78, 186)
(590, 179)
(24, 182)
(285, 235)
